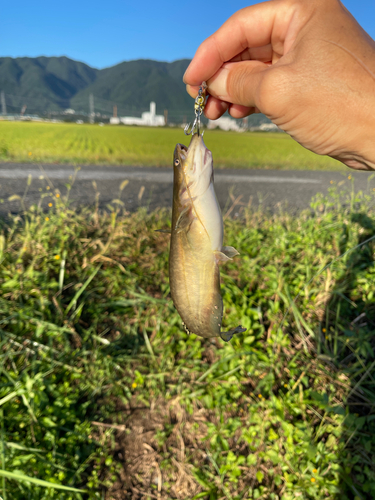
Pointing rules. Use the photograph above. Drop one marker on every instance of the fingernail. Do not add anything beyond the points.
(191, 91)
(218, 84)
(184, 77)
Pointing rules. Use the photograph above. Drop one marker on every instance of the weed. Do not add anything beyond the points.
(102, 390)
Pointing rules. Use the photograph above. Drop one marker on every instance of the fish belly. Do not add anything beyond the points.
(195, 283)
(207, 208)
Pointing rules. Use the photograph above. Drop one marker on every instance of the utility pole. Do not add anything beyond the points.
(165, 117)
(115, 111)
(91, 106)
(3, 104)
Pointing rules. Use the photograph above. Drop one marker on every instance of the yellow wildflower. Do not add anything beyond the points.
(313, 479)
(30, 153)
(57, 195)
(134, 385)
(260, 396)
(47, 219)
(57, 257)
(324, 330)
(50, 204)
(315, 471)
(349, 177)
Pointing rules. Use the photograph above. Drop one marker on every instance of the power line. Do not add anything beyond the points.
(91, 105)
(3, 103)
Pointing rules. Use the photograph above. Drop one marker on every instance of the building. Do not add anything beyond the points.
(224, 123)
(148, 118)
(269, 127)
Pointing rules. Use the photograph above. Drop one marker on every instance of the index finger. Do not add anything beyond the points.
(250, 27)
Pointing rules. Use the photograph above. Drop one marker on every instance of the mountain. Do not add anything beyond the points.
(54, 84)
(43, 83)
(48, 84)
(132, 85)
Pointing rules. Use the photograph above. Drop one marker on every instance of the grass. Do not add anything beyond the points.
(72, 143)
(102, 391)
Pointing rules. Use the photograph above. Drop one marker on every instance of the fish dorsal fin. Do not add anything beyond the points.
(184, 220)
(230, 252)
(226, 336)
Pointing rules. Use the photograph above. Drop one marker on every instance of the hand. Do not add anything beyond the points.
(306, 64)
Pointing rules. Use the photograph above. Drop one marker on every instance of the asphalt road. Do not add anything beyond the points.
(292, 190)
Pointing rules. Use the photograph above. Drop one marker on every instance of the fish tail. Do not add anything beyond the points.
(226, 336)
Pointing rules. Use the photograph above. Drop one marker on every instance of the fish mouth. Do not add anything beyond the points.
(181, 147)
(196, 143)
(181, 151)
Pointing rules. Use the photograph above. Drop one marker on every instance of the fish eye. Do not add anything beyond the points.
(176, 162)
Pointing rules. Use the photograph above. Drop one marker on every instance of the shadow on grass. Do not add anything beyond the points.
(348, 341)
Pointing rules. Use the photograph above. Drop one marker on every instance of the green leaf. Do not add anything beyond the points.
(251, 459)
(48, 422)
(18, 476)
(10, 396)
(259, 475)
(273, 456)
(13, 283)
(201, 495)
(272, 436)
(73, 302)
(311, 452)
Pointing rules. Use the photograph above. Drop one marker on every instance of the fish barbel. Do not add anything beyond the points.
(197, 243)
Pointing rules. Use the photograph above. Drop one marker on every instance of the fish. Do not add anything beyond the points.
(196, 246)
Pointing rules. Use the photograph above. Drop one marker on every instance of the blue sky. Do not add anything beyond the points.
(104, 33)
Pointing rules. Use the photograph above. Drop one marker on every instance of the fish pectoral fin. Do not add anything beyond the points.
(184, 220)
(226, 253)
(167, 231)
(221, 257)
(230, 252)
(226, 336)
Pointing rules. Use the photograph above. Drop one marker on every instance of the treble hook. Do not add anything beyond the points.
(196, 124)
(199, 104)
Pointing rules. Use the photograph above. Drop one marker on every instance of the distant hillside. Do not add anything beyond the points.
(57, 83)
(53, 84)
(44, 83)
(133, 84)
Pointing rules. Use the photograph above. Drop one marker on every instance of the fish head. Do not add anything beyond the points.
(179, 158)
(194, 165)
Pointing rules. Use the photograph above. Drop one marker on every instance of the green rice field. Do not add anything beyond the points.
(115, 145)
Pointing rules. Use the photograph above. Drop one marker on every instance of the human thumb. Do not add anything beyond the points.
(238, 82)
